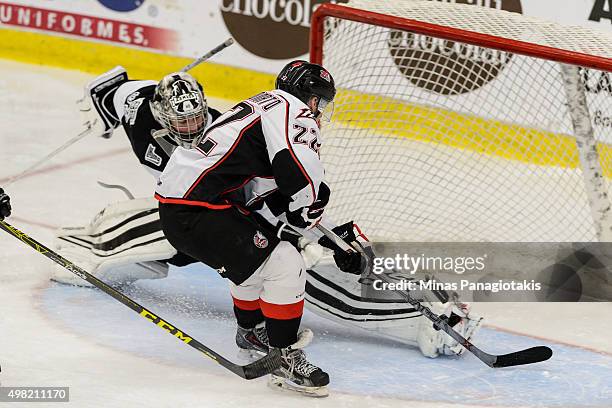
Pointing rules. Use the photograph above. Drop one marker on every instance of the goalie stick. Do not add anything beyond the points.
(258, 368)
(88, 128)
(527, 356)
(209, 54)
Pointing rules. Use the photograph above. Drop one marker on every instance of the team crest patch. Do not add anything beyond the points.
(153, 157)
(260, 240)
(184, 100)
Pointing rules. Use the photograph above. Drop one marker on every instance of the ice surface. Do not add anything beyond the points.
(55, 335)
(198, 301)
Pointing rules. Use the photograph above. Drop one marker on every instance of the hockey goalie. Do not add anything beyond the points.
(126, 242)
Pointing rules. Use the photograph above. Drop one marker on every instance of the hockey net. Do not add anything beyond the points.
(456, 122)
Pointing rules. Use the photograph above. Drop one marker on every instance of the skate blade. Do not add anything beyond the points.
(282, 384)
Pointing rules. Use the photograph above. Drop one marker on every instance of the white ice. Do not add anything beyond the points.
(54, 335)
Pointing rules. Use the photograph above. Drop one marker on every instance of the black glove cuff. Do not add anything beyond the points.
(344, 231)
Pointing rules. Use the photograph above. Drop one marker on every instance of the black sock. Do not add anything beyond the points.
(248, 319)
(282, 333)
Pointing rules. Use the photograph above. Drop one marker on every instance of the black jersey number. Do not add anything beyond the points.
(302, 136)
(237, 113)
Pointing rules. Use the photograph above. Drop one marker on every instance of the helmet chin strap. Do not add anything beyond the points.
(313, 104)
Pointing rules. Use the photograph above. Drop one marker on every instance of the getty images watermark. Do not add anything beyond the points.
(405, 264)
(491, 271)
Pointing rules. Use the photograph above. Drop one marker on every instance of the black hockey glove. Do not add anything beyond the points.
(308, 217)
(349, 263)
(5, 205)
(286, 233)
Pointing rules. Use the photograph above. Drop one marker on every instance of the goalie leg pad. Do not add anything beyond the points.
(338, 297)
(122, 244)
(433, 343)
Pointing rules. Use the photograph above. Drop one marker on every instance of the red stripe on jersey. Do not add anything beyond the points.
(229, 152)
(190, 202)
(246, 304)
(243, 210)
(282, 312)
(229, 190)
(314, 194)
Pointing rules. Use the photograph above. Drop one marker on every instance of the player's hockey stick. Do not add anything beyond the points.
(209, 54)
(527, 356)
(261, 367)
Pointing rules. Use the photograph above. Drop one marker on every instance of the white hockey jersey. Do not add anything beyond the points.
(266, 144)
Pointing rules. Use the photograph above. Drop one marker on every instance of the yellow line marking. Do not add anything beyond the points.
(386, 115)
(398, 118)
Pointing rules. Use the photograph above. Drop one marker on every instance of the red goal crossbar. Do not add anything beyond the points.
(447, 33)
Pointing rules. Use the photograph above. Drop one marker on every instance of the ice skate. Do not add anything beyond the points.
(253, 343)
(297, 373)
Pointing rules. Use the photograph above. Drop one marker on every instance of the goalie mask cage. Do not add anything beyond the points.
(457, 122)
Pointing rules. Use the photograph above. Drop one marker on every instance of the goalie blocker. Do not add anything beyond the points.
(124, 243)
(99, 95)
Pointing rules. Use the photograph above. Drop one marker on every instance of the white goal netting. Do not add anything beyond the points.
(439, 140)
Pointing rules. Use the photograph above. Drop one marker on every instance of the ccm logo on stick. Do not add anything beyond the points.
(166, 326)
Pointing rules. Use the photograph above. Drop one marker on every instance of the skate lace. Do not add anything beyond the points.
(299, 363)
(262, 335)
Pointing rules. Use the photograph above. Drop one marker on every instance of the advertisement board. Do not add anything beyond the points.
(269, 33)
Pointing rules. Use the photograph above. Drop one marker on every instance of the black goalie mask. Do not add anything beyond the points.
(180, 107)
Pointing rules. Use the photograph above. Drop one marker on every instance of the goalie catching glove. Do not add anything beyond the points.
(350, 233)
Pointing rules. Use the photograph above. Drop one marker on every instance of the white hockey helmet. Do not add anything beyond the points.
(180, 107)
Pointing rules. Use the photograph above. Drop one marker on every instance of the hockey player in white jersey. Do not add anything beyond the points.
(125, 242)
(269, 144)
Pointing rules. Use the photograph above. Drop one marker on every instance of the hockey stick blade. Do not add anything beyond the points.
(259, 368)
(263, 366)
(527, 356)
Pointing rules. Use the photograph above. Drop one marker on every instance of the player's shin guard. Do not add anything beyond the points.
(282, 322)
(248, 313)
(433, 343)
